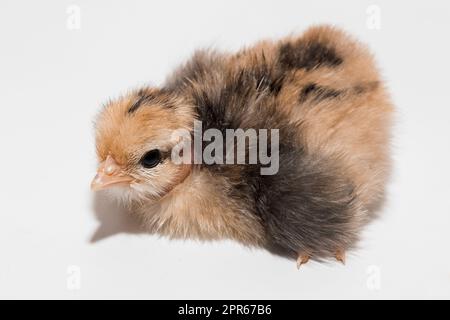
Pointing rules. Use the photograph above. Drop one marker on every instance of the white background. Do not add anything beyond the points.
(53, 81)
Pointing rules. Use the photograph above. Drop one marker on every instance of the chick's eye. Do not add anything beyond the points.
(151, 159)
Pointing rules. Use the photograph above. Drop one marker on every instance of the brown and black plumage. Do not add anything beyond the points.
(324, 94)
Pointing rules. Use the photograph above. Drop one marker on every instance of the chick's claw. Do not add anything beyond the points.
(302, 259)
(340, 256)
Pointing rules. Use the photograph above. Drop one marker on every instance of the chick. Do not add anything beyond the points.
(323, 94)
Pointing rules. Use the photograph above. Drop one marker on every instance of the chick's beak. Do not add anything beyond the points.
(110, 174)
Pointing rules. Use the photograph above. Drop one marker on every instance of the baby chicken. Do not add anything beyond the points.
(323, 94)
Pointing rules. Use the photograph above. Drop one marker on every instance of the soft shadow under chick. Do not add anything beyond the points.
(320, 90)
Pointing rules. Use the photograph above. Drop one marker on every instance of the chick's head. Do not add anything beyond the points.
(134, 140)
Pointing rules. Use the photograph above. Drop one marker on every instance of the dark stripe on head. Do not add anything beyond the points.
(308, 55)
(317, 93)
(366, 87)
(146, 96)
(143, 97)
